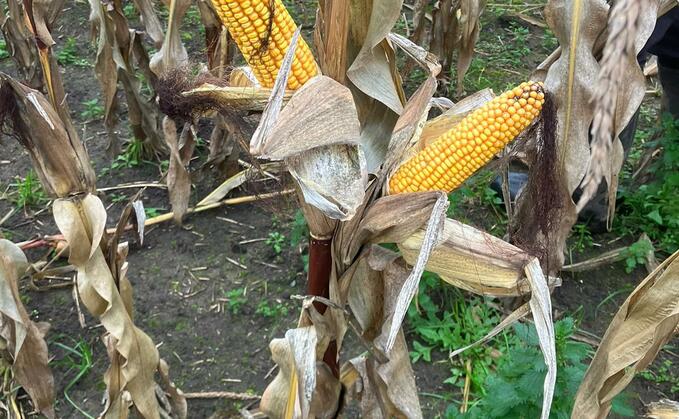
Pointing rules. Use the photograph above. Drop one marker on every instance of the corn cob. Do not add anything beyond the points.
(263, 42)
(456, 155)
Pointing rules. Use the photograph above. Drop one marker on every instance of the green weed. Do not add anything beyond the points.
(276, 241)
(653, 208)
(152, 212)
(236, 299)
(266, 310)
(93, 110)
(27, 192)
(635, 254)
(457, 323)
(581, 238)
(68, 54)
(77, 361)
(4, 53)
(514, 390)
(665, 373)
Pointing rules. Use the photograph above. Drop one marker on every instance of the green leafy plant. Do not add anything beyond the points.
(235, 299)
(457, 322)
(131, 157)
(68, 54)
(77, 361)
(266, 310)
(276, 241)
(298, 235)
(665, 373)
(4, 53)
(93, 110)
(28, 191)
(514, 390)
(653, 208)
(635, 254)
(151, 212)
(581, 238)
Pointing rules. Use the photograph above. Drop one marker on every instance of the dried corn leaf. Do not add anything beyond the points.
(150, 20)
(330, 37)
(56, 152)
(620, 89)
(178, 177)
(25, 338)
(82, 221)
(469, 26)
(233, 182)
(644, 323)
(371, 71)
(386, 388)
(663, 409)
(20, 43)
(172, 53)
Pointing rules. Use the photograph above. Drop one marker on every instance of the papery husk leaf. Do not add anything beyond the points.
(272, 110)
(367, 21)
(473, 260)
(470, 26)
(386, 389)
(178, 177)
(172, 53)
(331, 178)
(371, 71)
(644, 323)
(58, 156)
(577, 25)
(236, 98)
(414, 115)
(443, 123)
(409, 289)
(25, 339)
(321, 113)
(77, 219)
(245, 77)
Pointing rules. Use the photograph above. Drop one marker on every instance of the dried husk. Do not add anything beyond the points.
(25, 339)
(178, 177)
(234, 97)
(58, 156)
(644, 323)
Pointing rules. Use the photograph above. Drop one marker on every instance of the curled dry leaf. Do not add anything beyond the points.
(134, 357)
(178, 177)
(371, 71)
(20, 44)
(25, 339)
(385, 389)
(469, 25)
(645, 322)
(172, 53)
(150, 20)
(58, 156)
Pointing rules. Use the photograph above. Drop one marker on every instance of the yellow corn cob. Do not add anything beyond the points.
(456, 155)
(264, 43)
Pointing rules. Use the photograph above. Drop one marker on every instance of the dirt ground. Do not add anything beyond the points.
(180, 274)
